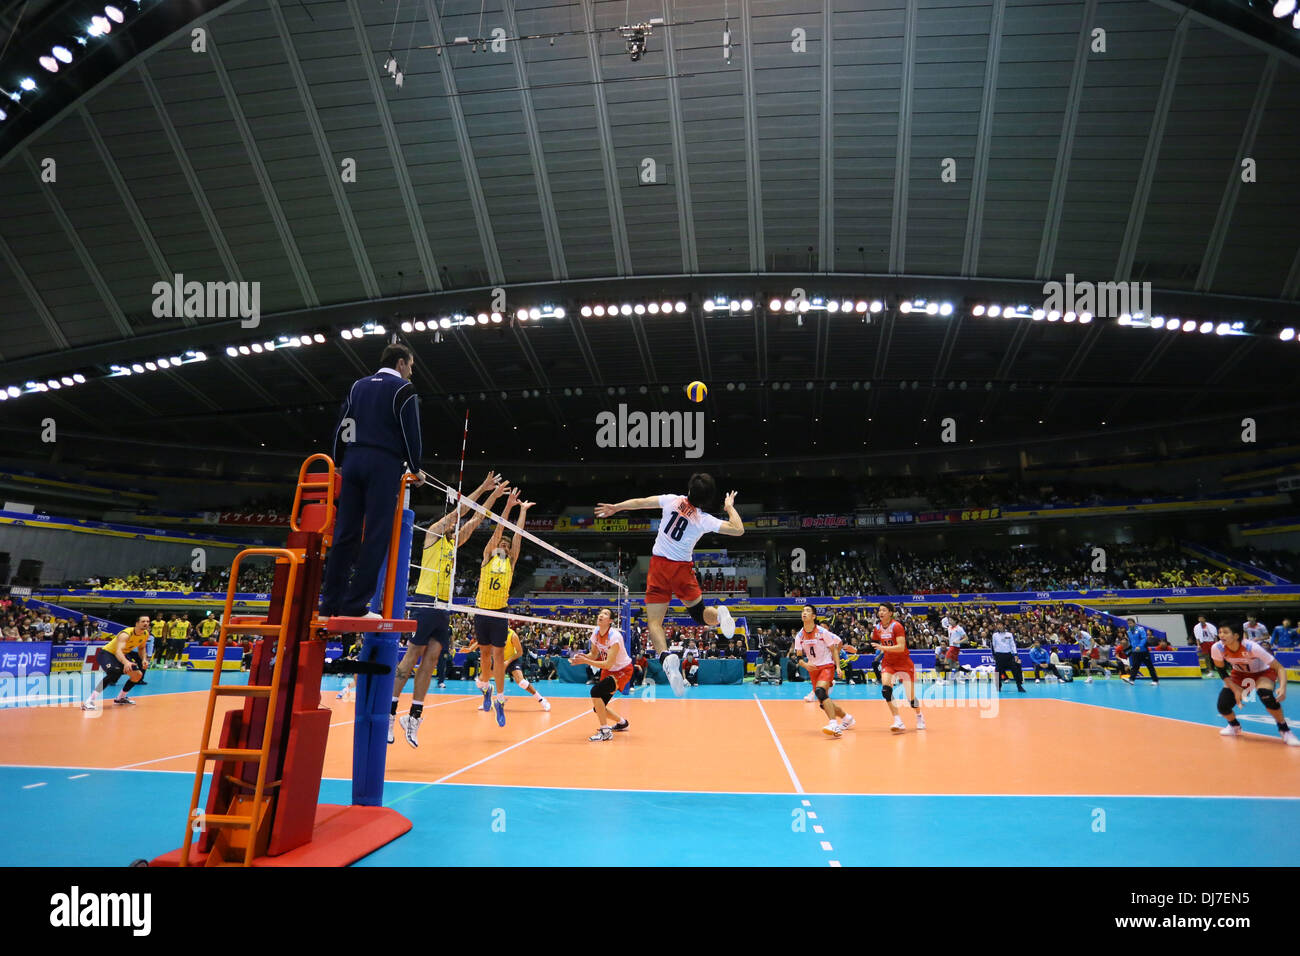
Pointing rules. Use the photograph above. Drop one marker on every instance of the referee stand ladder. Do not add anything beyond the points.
(261, 807)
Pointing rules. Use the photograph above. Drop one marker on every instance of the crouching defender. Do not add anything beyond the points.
(1244, 665)
(609, 655)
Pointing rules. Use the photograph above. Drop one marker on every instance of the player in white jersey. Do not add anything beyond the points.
(609, 654)
(1252, 630)
(1245, 666)
(820, 650)
(683, 521)
(952, 656)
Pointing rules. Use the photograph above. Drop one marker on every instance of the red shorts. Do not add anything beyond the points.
(906, 668)
(1239, 677)
(825, 672)
(622, 678)
(668, 578)
(953, 654)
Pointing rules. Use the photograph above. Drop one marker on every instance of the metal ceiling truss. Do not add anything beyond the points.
(753, 174)
(682, 177)
(546, 200)
(414, 218)
(903, 147)
(1228, 203)
(1065, 146)
(1155, 137)
(83, 255)
(330, 171)
(491, 256)
(826, 158)
(133, 210)
(228, 262)
(296, 263)
(613, 191)
(983, 144)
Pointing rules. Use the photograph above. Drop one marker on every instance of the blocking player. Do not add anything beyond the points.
(121, 655)
(1244, 664)
(609, 655)
(672, 572)
(498, 569)
(897, 667)
(433, 625)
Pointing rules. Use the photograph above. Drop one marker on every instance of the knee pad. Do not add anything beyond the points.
(887, 692)
(595, 690)
(1227, 701)
(523, 683)
(696, 611)
(822, 693)
(916, 705)
(604, 689)
(1267, 699)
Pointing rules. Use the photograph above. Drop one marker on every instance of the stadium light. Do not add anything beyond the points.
(1284, 8)
(62, 54)
(49, 63)
(1286, 335)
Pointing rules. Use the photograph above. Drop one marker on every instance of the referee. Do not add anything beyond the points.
(1005, 658)
(1138, 653)
(380, 424)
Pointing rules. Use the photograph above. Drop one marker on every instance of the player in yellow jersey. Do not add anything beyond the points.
(207, 627)
(122, 654)
(433, 625)
(514, 655)
(498, 570)
(178, 633)
(159, 631)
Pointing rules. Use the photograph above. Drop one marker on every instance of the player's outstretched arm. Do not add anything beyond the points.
(631, 504)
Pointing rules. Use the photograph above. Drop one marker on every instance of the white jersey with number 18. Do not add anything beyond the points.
(680, 527)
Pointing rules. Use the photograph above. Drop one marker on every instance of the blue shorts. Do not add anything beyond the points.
(431, 623)
(490, 631)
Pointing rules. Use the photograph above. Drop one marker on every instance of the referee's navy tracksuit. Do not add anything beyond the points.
(386, 413)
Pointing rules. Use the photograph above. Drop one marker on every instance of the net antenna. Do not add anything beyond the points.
(455, 514)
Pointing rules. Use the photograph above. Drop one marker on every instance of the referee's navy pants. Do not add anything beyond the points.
(363, 524)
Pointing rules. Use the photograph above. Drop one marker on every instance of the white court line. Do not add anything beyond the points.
(456, 773)
(798, 787)
(33, 786)
(835, 862)
(195, 753)
(78, 776)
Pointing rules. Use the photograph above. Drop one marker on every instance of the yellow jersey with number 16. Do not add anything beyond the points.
(494, 583)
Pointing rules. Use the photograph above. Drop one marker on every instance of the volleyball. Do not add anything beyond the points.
(697, 391)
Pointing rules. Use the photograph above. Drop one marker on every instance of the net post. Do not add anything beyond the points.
(375, 691)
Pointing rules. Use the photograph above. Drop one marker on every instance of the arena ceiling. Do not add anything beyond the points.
(521, 167)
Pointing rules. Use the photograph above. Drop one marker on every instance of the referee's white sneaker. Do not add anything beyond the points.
(1230, 731)
(673, 671)
(726, 622)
